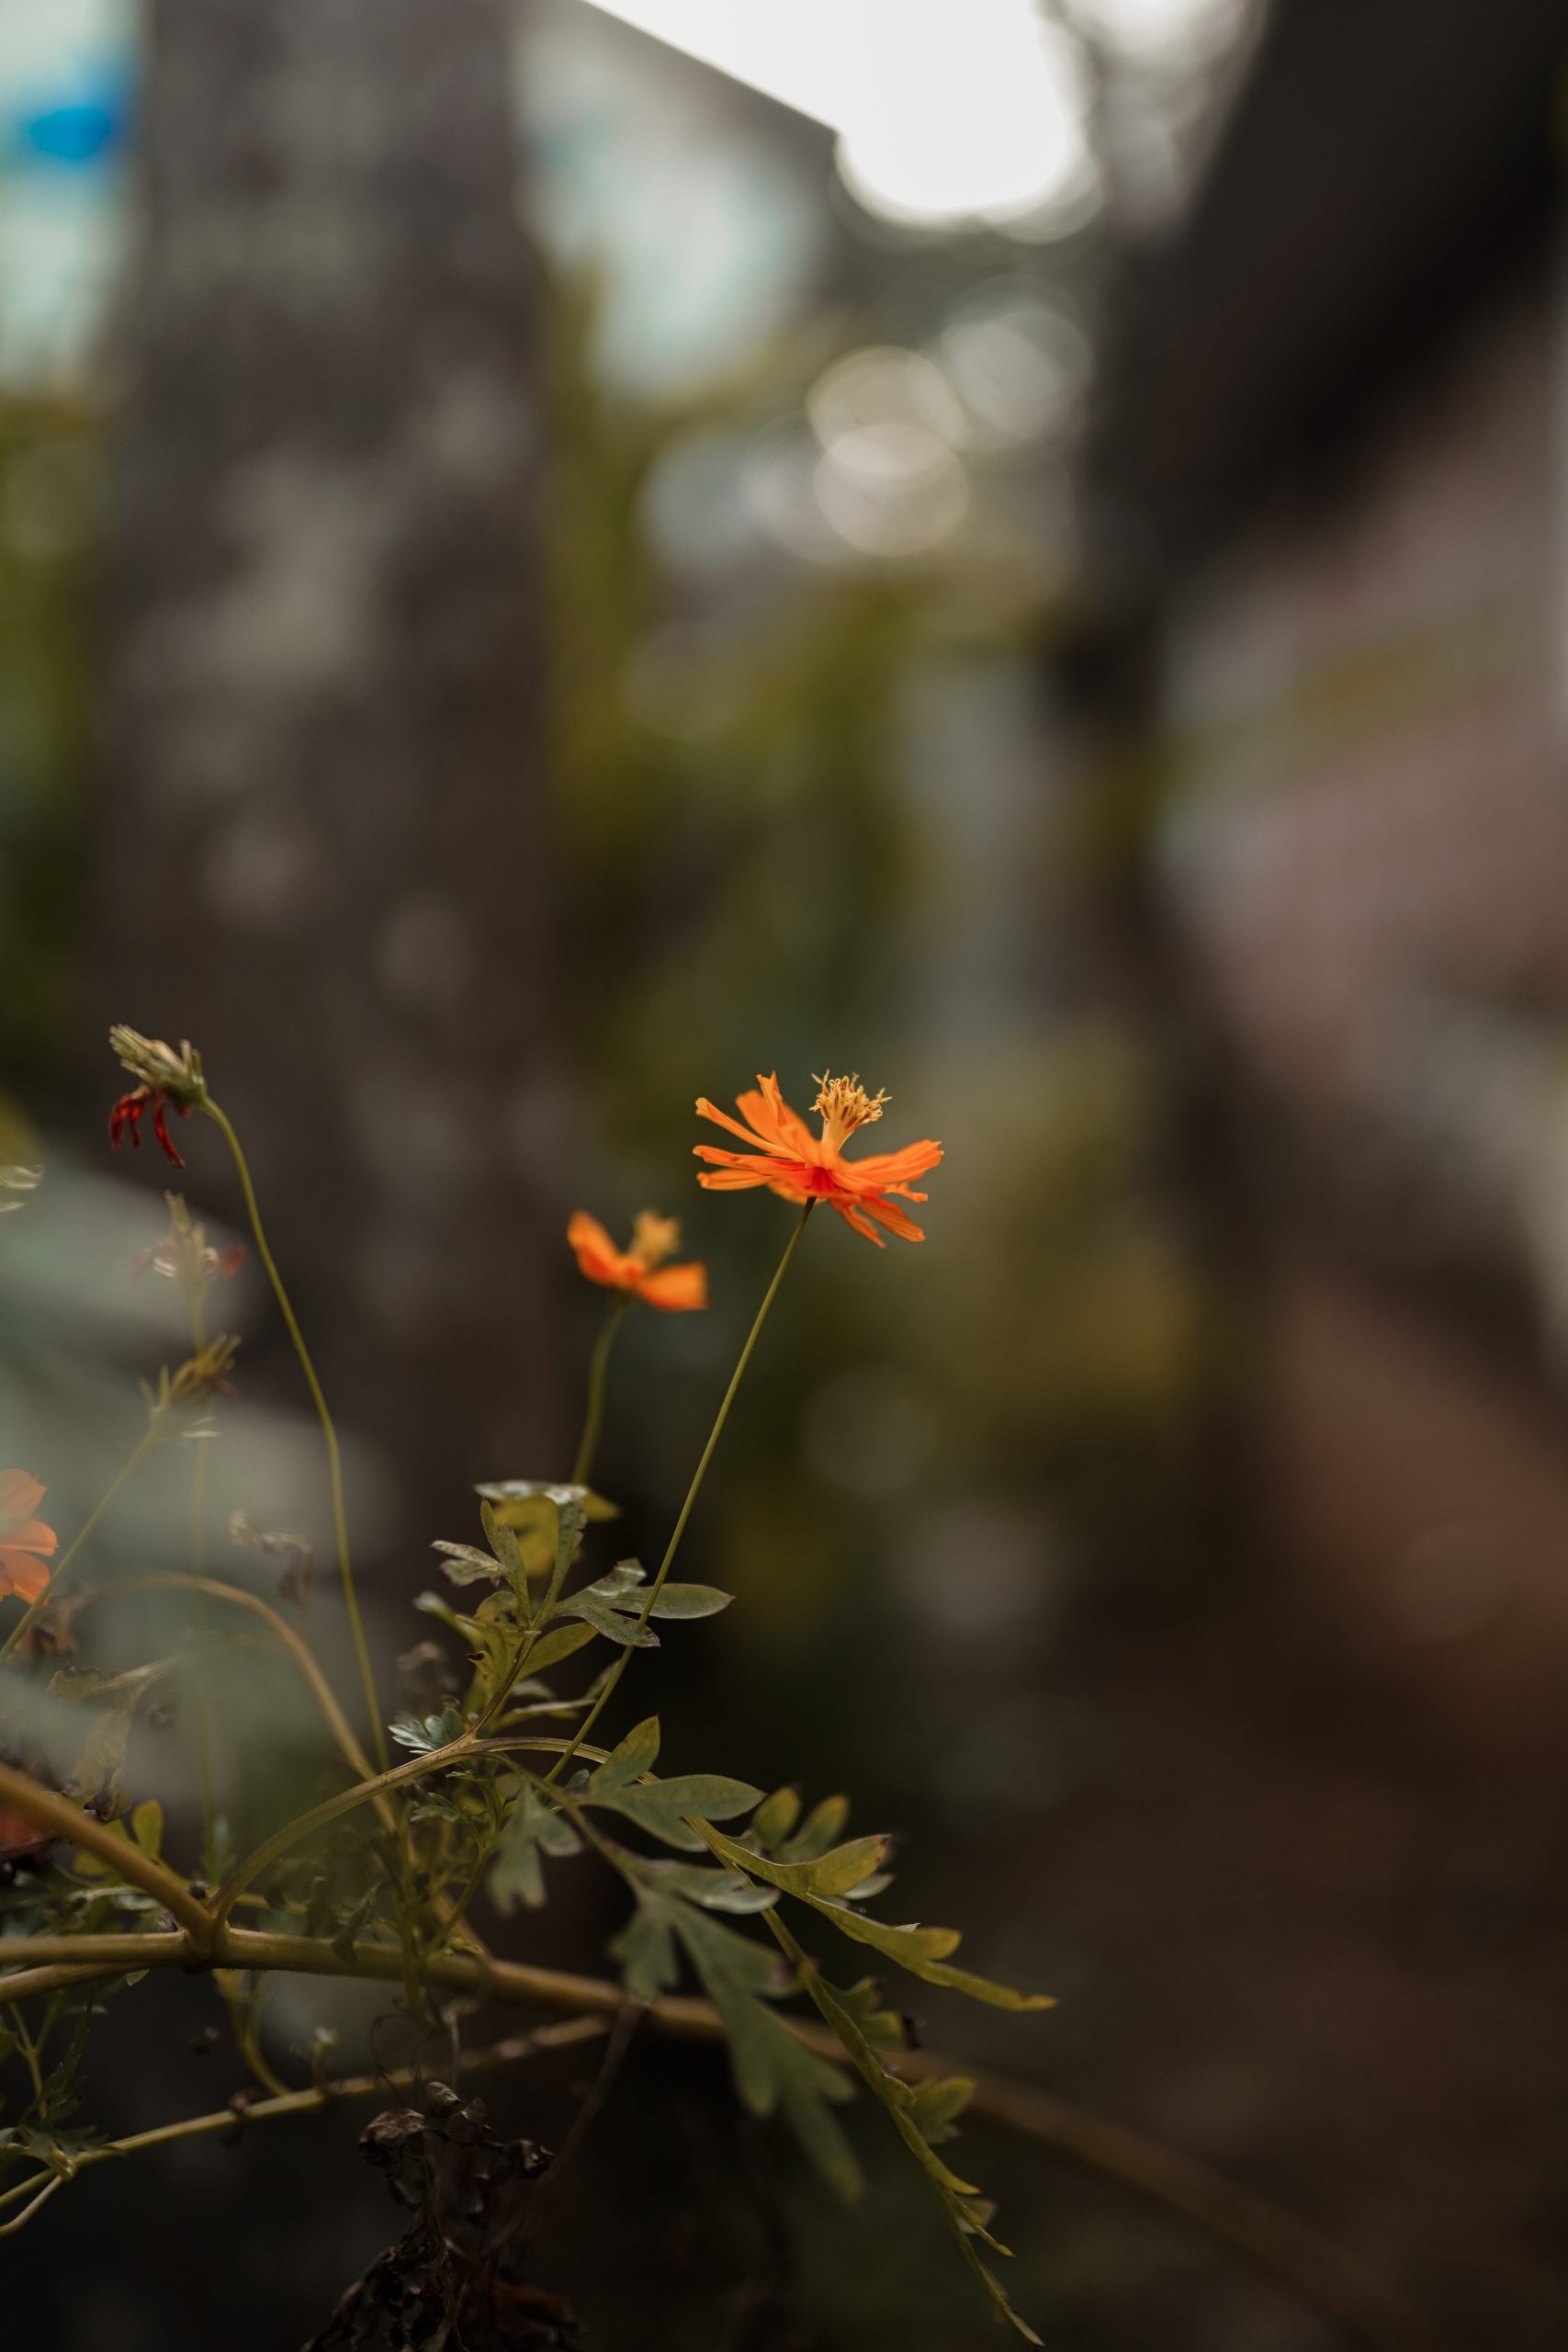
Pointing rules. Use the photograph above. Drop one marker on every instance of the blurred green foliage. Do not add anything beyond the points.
(50, 462)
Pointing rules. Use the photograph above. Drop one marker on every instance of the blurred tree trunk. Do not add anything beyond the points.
(323, 840)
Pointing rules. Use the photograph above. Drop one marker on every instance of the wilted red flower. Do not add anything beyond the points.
(26, 1543)
(640, 1271)
(166, 1075)
(790, 1160)
(124, 1119)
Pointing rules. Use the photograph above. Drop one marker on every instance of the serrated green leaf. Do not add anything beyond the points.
(775, 1819)
(534, 1829)
(823, 1827)
(773, 2067)
(645, 1949)
(147, 1826)
(605, 1619)
(935, 2106)
(508, 1552)
(719, 1889)
(690, 1600)
(532, 1512)
(623, 1590)
(466, 1564)
(923, 1950)
(422, 1734)
(881, 2027)
(661, 1808)
(832, 1873)
(559, 1643)
(489, 1635)
(963, 2211)
(639, 1752)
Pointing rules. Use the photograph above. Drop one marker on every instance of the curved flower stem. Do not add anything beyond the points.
(657, 1586)
(236, 1596)
(594, 1414)
(142, 1447)
(335, 1460)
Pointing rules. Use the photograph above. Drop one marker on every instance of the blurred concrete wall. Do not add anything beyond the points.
(323, 852)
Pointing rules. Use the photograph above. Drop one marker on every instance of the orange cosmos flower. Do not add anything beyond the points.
(640, 1271)
(25, 1542)
(790, 1160)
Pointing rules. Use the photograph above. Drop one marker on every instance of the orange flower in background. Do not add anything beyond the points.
(790, 1160)
(26, 1543)
(640, 1271)
(20, 1836)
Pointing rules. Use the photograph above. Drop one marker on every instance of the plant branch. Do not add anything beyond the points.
(227, 2119)
(1315, 2267)
(118, 1852)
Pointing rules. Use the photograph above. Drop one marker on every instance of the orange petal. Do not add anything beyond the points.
(597, 1256)
(852, 1217)
(893, 1219)
(22, 1573)
(722, 1158)
(20, 1494)
(883, 1169)
(706, 1110)
(676, 1288)
(788, 1190)
(771, 1116)
(741, 1178)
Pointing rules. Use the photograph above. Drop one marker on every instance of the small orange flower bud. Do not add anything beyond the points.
(640, 1271)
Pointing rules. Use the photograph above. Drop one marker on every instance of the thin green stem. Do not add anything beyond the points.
(142, 1447)
(335, 1459)
(209, 1862)
(657, 1586)
(594, 1414)
(212, 1589)
(199, 1465)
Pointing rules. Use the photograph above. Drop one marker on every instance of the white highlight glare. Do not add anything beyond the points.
(1019, 367)
(889, 480)
(1164, 27)
(945, 109)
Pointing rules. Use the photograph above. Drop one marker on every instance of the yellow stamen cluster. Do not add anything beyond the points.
(654, 1238)
(845, 1105)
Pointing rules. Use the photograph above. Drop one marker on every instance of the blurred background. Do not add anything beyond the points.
(554, 556)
